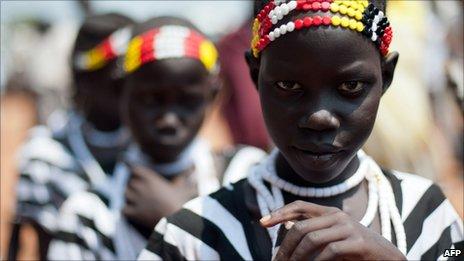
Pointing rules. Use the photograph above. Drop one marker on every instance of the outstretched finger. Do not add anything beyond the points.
(296, 210)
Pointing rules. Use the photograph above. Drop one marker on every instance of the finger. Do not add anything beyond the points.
(317, 239)
(299, 230)
(336, 250)
(296, 210)
(139, 171)
(130, 196)
(129, 211)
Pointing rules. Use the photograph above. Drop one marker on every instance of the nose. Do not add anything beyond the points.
(320, 120)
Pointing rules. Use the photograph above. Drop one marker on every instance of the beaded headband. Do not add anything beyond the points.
(356, 15)
(97, 57)
(170, 41)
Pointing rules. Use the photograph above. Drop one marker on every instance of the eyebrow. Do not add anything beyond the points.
(357, 66)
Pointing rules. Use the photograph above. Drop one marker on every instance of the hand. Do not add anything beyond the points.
(149, 196)
(327, 233)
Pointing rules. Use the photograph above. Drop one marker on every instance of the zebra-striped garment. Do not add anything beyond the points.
(224, 225)
(49, 172)
(91, 224)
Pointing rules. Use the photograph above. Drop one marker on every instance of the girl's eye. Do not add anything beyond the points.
(351, 87)
(289, 86)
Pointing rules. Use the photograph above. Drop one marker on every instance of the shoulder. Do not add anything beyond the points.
(207, 227)
(41, 145)
(430, 221)
(237, 162)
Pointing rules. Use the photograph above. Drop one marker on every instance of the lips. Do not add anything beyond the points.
(317, 156)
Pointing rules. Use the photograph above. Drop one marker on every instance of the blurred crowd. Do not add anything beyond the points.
(419, 128)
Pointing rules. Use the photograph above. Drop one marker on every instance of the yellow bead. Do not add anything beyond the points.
(354, 5)
(351, 12)
(343, 9)
(365, 3)
(347, 3)
(334, 7)
(345, 22)
(360, 27)
(358, 15)
(336, 20)
(353, 24)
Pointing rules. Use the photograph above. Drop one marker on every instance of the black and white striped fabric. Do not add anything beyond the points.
(52, 166)
(91, 226)
(224, 226)
(49, 173)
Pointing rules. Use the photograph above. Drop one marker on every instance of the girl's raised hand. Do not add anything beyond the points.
(327, 233)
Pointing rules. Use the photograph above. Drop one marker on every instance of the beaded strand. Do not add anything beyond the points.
(359, 16)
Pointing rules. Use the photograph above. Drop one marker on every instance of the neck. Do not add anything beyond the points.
(285, 171)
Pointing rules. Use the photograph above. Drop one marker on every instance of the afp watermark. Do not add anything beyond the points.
(452, 253)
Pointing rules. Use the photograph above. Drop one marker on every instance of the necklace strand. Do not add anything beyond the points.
(380, 195)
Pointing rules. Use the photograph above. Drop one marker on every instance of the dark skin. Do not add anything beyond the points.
(97, 95)
(320, 99)
(165, 103)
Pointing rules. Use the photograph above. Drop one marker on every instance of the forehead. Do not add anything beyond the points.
(321, 48)
(171, 74)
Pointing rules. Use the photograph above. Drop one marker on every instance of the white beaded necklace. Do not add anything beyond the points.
(380, 195)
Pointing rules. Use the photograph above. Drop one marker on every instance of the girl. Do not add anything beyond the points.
(171, 80)
(320, 68)
(76, 151)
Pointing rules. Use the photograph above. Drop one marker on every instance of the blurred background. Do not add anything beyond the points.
(419, 128)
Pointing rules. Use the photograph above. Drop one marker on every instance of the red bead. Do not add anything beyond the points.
(266, 39)
(259, 17)
(267, 8)
(307, 7)
(307, 21)
(327, 20)
(316, 6)
(325, 6)
(298, 23)
(317, 20)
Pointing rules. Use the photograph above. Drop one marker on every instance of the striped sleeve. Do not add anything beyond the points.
(85, 230)
(203, 230)
(47, 177)
(431, 223)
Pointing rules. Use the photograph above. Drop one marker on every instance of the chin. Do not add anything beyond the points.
(317, 176)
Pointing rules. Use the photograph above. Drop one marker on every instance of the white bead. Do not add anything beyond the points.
(290, 26)
(311, 192)
(271, 14)
(318, 193)
(280, 16)
(277, 11)
(381, 14)
(374, 37)
(326, 192)
(274, 20)
(283, 29)
(285, 9)
(292, 5)
(376, 19)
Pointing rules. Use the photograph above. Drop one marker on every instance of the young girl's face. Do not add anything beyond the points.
(165, 104)
(320, 89)
(97, 96)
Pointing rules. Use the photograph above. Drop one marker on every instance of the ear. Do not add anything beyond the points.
(253, 66)
(388, 69)
(215, 85)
